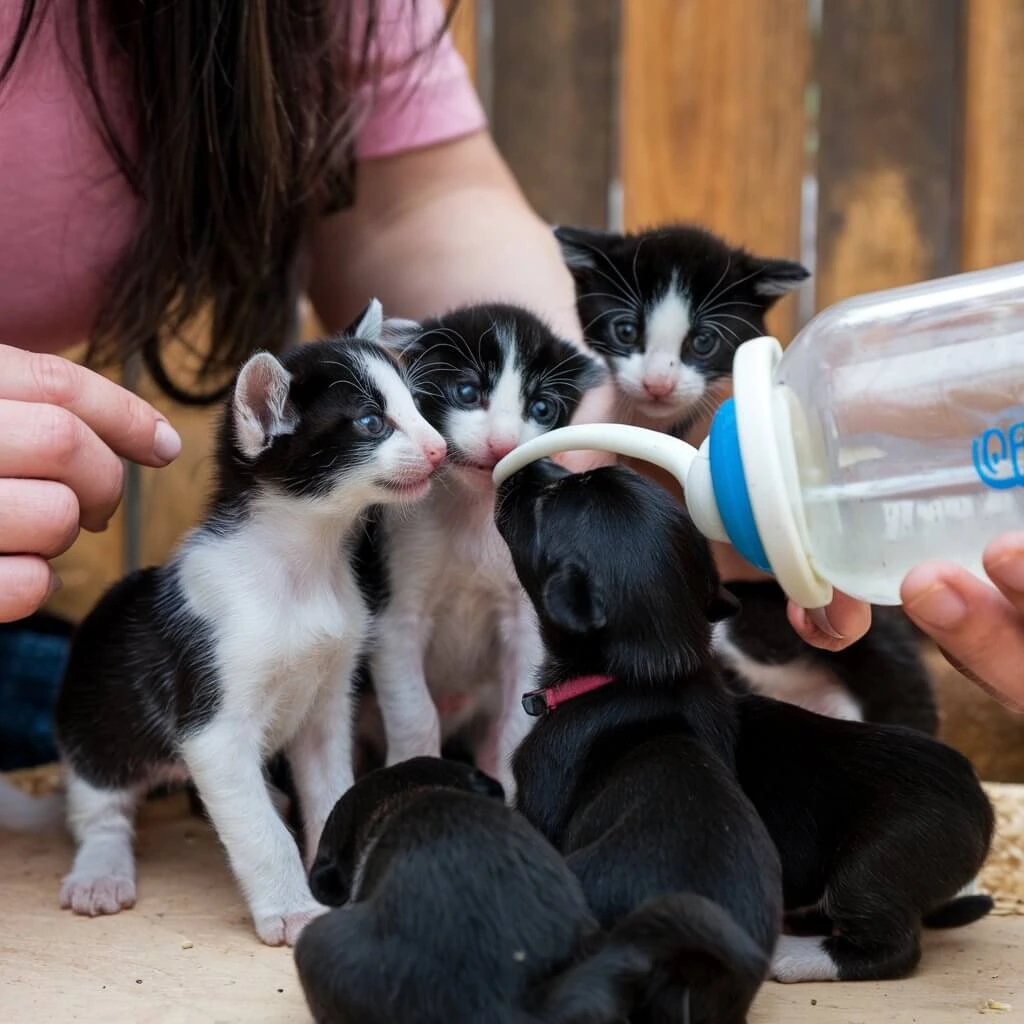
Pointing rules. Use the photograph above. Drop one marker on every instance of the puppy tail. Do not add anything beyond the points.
(21, 812)
(959, 911)
(660, 951)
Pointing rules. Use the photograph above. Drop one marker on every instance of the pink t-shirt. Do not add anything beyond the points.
(66, 214)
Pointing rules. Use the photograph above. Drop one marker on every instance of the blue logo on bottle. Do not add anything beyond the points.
(999, 457)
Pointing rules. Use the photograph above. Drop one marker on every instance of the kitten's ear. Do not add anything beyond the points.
(261, 406)
(401, 337)
(367, 326)
(723, 605)
(580, 246)
(571, 601)
(775, 278)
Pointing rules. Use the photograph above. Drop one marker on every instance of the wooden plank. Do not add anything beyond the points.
(713, 124)
(463, 30)
(554, 69)
(993, 214)
(889, 124)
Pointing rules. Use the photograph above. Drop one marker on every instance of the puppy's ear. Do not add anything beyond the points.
(328, 883)
(572, 601)
(482, 784)
(723, 605)
(262, 411)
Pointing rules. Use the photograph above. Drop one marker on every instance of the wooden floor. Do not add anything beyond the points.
(186, 953)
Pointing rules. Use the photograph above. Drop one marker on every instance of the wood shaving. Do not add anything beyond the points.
(1003, 873)
(995, 1006)
(1002, 876)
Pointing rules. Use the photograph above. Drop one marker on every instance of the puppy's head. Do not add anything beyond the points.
(362, 810)
(621, 579)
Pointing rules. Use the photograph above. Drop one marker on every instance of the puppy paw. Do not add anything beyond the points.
(800, 958)
(94, 896)
(284, 929)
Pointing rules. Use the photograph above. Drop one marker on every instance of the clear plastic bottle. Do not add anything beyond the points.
(890, 431)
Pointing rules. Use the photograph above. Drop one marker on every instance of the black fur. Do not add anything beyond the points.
(620, 277)
(884, 671)
(453, 910)
(635, 782)
(473, 344)
(139, 674)
(877, 827)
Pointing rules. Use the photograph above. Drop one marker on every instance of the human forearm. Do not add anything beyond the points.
(434, 229)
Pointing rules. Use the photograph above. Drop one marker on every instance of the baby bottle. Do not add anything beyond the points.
(890, 431)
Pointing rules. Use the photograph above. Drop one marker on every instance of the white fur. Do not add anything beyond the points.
(797, 682)
(660, 365)
(802, 958)
(458, 622)
(289, 623)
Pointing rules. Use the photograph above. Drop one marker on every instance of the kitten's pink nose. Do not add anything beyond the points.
(658, 387)
(435, 451)
(499, 447)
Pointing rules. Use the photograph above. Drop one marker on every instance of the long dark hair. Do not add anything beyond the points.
(243, 122)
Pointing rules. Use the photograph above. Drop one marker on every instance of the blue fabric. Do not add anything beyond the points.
(32, 658)
(730, 486)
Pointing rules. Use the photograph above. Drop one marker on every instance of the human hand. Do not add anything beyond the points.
(843, 622)
(62, 428)
(979, 628)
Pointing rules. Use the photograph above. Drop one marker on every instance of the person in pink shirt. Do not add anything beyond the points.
(157, 160)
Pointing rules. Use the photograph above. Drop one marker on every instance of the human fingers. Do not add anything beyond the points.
(1004, 564)
(977, 628)
(842, 623)
(129, 425)
(47, 442)
(37, 517)
(26, 582)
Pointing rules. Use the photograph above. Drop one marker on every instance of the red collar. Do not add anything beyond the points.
(537, 702)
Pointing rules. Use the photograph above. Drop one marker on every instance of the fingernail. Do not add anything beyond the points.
(166, 442)
(939, 606)
(1010, 571)
(819, 616)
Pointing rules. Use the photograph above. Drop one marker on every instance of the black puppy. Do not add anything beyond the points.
(881, 678)
(453, 910)
(630, 770)
(878, 827)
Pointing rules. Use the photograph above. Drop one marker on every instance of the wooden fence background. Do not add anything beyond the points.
(881, 141)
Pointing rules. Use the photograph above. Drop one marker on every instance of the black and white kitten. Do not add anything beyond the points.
(457, 631)
(667, 309)
(243, 644)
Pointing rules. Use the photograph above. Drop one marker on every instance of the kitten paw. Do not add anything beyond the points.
(284, 929)
(94, 896)
(802, 958)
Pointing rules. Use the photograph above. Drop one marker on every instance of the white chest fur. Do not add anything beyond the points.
(456, 589)
(797, 682)
(286, 614)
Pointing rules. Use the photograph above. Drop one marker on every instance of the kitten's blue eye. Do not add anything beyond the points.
(371, 425)
(467, 393)
(544, 412)
(625, 331)
(704, 344)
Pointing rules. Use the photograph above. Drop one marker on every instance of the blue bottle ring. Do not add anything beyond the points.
(730, 486)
